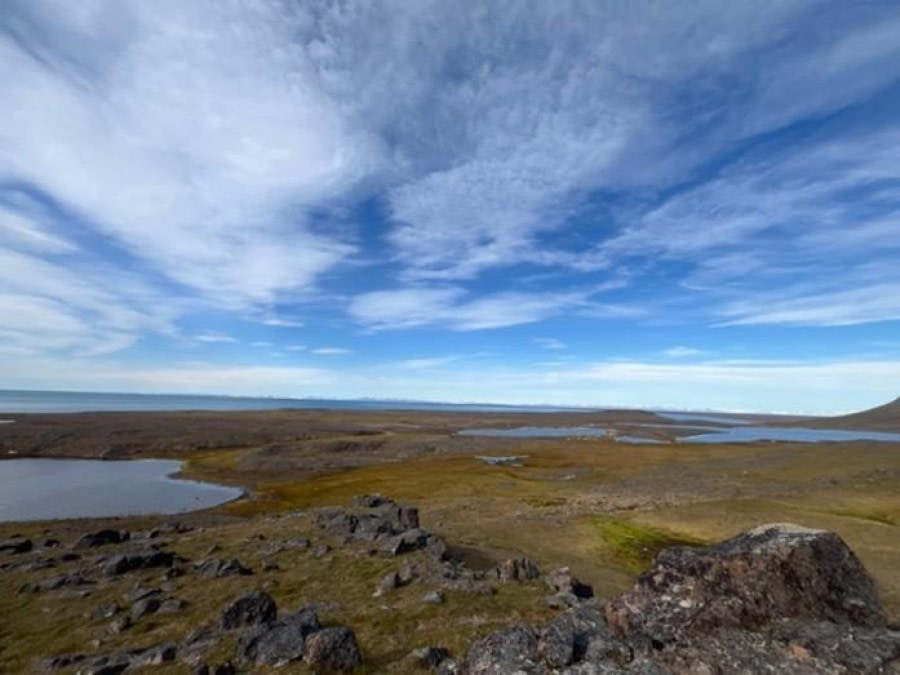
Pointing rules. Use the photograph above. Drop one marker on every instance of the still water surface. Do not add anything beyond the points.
(45, 489)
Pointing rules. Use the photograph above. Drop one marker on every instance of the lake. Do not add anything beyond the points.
(739, 434)
(49, 489)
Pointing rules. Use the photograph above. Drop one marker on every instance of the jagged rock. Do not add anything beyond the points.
(250, 609)
(136, 560)
(76, 578)
(155, 656)
(144, 607)
(511, 650)
(517, 569)
(769, 573)
(429, 657)
(218, 567)
(101, 538)
(858, 648)
(280, 642)
(332, 649)
(16, 546)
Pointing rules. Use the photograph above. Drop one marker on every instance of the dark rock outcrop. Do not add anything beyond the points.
(776, 599)
(16, 546)
(136, 560)
(567, 590)
(101, 538)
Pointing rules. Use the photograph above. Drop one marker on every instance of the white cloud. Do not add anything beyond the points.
(550, 343)
(214, 337)
(681, 352)
(407, 308)
(330, 351)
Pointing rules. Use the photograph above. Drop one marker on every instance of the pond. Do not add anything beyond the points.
(48, 489)
(739, 434)
(789, 434)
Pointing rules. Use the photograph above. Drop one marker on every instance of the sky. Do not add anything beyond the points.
(689, 205)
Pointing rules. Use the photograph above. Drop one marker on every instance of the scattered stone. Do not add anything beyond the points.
(155, 656)
(101, 538)
(567, 590)
(105, 611)
(50, 543)
(372, 501)
(136, 560)
(517, 569)
(212, 550)
(217, 567)
(333, 649)
(172, 606)
(387, 583)
(320, 551)
(406, 575)
(433, 598)
(298, 543)
(144, 607)
(16, 546)
(429, 657)
(140, 593)
(76, 578)
(269, 565)
(221, 669)
(251, 609)
(280, 642)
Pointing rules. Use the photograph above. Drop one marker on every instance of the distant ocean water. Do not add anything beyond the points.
(70, 402)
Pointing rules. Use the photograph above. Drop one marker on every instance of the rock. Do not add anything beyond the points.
(154, 656)
(371, 501)
(217, 567)
(387, 583)
(280, 642)
(221, 669)
(141, 592)
(250, 609)
(333, 649)
(76, 578)
(105, 611)
(144, 607)
(429, 657)
(172, 606)
(517, 569)
(136, 560)
(320, 551)
(511, 650)
(567, 590)
(433, 598)
(101, 538)
(16, 546)
(269, 565)
(580, 634)
(769, 573)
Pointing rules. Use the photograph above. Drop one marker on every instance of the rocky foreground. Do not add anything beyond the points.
(777, 599)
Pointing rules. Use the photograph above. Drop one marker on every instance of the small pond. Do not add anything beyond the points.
(46, 489)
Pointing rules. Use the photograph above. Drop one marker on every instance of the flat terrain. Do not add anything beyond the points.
(601, 507)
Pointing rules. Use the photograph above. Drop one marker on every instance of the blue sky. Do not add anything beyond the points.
(690, 205)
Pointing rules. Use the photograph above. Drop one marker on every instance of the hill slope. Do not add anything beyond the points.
(882, 418)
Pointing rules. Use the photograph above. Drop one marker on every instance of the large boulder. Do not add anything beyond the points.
(332, 649)
(280, 642)
(256, 607)
(769, 573)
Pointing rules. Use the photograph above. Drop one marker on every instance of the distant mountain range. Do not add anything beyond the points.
(882, 418)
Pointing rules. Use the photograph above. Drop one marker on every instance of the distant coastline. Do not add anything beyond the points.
(26, 401)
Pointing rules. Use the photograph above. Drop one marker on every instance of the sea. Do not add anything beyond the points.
(12, 401)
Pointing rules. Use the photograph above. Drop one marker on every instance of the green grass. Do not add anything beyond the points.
(636, 545)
